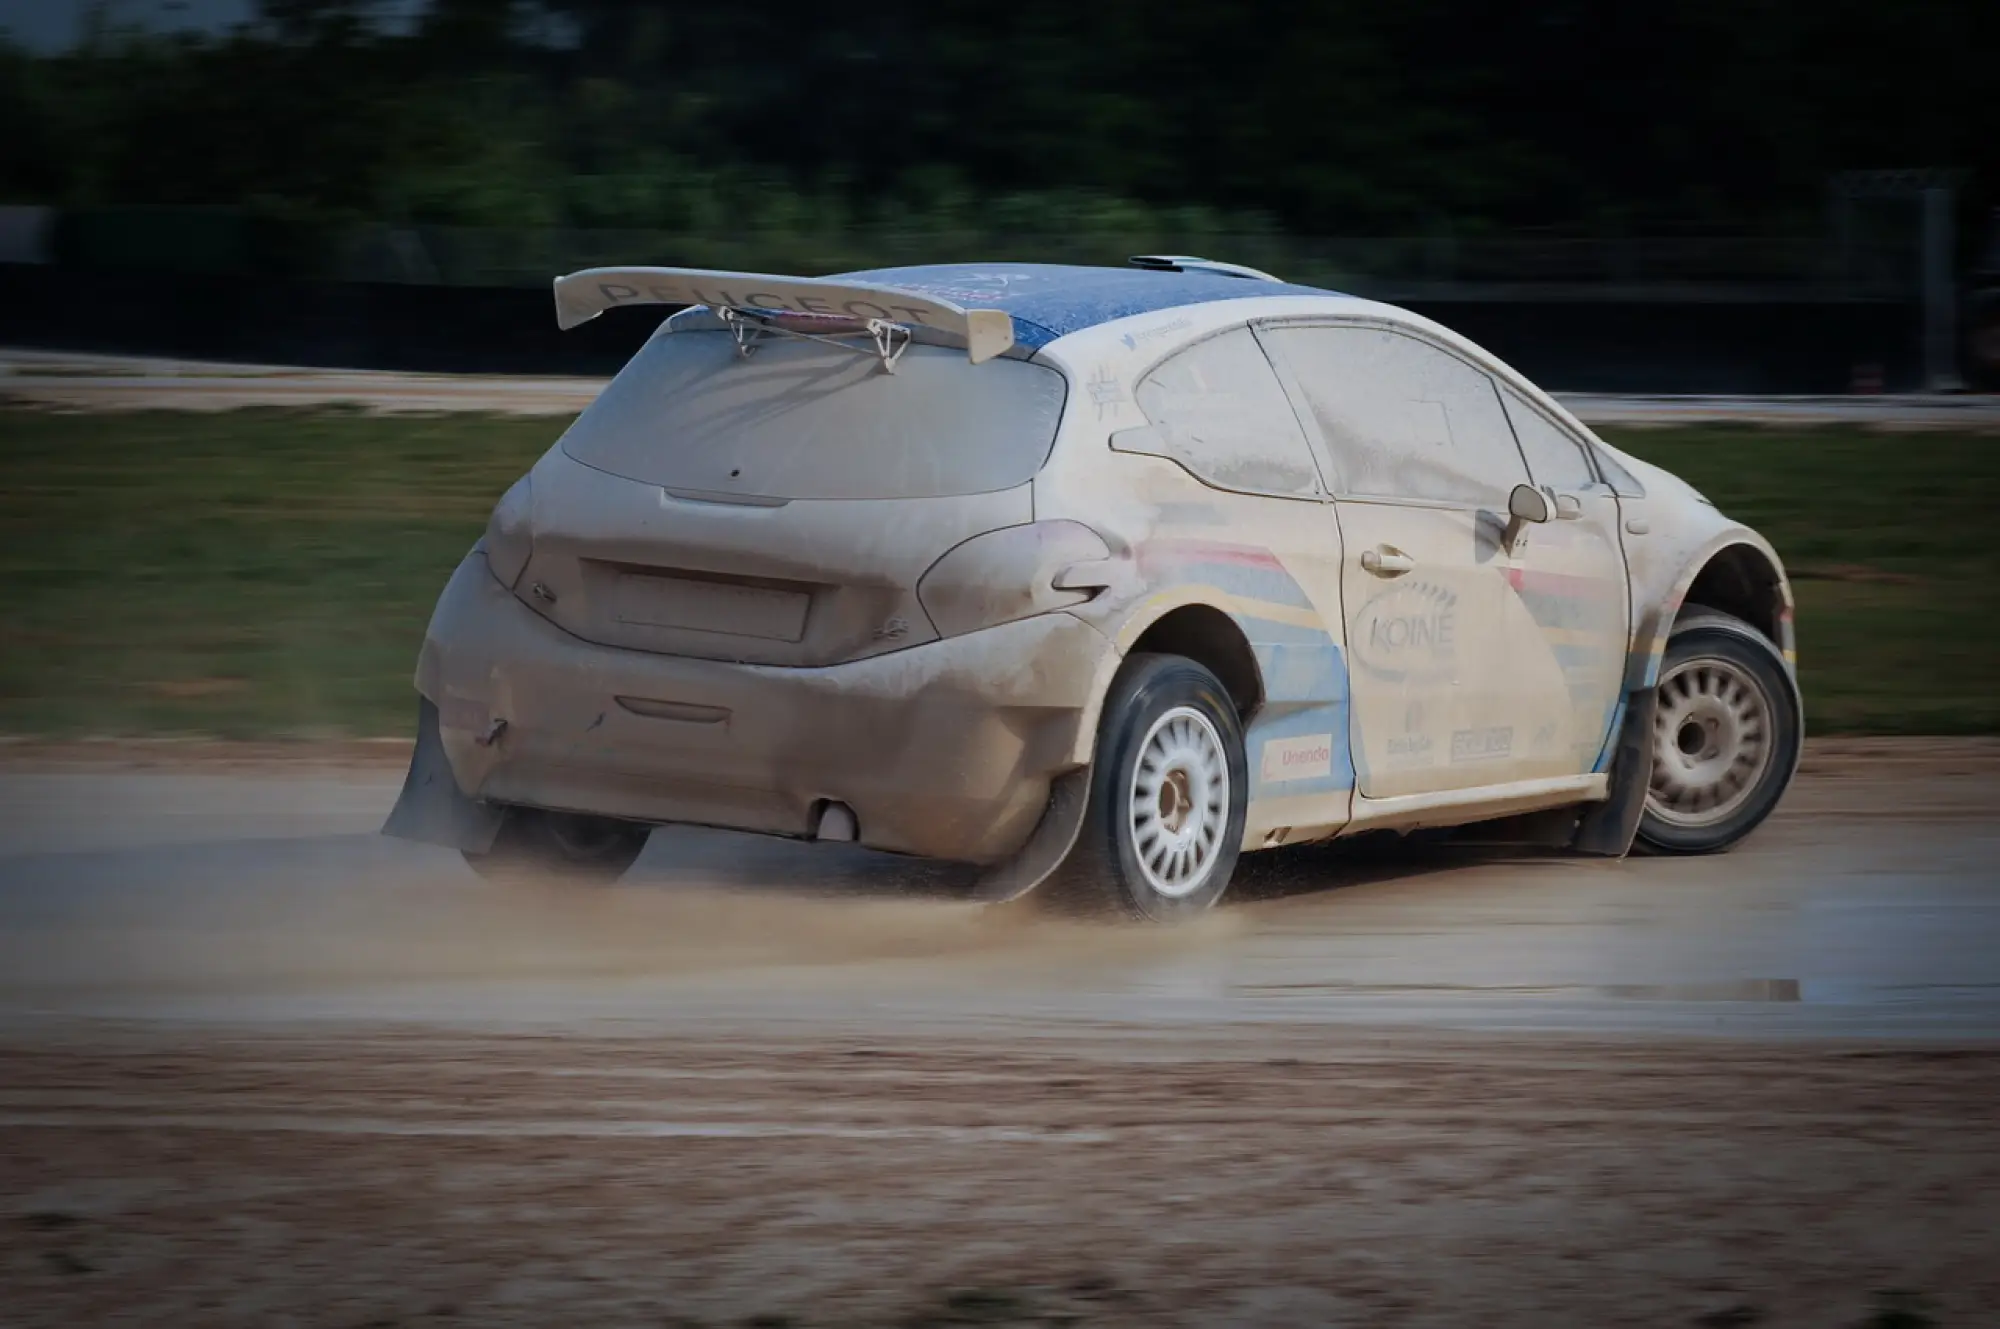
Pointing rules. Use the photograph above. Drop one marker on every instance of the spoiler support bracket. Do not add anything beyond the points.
(887, 340)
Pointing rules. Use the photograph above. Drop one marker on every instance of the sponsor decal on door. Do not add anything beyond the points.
(1482, 744)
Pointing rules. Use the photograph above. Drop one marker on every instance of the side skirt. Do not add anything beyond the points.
(1453, 807)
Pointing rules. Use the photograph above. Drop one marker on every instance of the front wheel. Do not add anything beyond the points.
(1726, 737)
(534, 845)
(1168, 793)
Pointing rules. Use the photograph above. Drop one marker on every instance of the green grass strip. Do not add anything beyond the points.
(268, 573)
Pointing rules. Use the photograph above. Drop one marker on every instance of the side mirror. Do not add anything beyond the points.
(1528, 503)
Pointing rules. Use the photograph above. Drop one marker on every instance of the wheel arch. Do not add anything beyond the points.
(1211, 638)
(1746, 582)
(1707, 619)
(1739, 575)
(1187, 624)
(1736, 574)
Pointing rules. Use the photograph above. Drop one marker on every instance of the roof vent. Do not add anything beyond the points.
(1189, 263)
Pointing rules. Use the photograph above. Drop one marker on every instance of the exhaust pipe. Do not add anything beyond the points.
(836, 822)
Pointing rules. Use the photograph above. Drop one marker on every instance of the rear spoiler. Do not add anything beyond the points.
(582, 296)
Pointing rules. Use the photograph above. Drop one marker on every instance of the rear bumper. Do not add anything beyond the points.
(944, 749)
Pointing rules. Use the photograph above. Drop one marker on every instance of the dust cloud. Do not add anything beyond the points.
(192, 930)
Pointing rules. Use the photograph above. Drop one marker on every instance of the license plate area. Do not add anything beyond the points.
(699, 604)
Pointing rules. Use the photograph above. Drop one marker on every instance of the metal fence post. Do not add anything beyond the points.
(1940, 294)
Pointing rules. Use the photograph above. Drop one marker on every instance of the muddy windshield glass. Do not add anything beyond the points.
(800, 419)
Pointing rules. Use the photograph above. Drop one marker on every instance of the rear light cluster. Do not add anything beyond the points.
(509, 539)
(1009, 574)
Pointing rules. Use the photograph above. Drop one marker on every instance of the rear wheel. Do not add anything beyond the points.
(1168, 793)
(1725, 737)
(534, 845)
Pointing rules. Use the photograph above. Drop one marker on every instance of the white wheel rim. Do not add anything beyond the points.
(1712, 742)
(1179, 802)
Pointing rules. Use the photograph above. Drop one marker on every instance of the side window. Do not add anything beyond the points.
(1623, 482)
(1554, 457)
(1218, 409)
(1403, 419)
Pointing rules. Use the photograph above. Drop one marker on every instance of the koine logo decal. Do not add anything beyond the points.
(1410, 632)
(1306, 758)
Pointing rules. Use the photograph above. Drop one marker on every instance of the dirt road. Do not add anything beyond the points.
(1115, 1175)
(258, 1066)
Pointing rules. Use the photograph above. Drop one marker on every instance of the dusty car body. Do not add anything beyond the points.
(915, 557)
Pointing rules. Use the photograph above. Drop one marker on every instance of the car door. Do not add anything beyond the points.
(1422, 460)
(1259, 539)
(1570, 575)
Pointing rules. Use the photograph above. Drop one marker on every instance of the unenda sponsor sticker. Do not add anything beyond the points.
(1307, 758)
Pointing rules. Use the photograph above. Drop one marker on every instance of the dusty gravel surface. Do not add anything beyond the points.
(1106, 1175)
(260, 1067)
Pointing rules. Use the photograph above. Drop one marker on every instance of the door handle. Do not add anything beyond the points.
(1386, 561)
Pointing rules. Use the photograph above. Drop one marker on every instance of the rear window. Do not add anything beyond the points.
(803, 420)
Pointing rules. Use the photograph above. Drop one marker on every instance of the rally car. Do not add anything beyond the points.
(1094, 577)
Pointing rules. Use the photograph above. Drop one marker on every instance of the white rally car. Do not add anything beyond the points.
(1093, 576)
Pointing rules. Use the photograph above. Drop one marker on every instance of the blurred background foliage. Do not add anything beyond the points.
(1177, 118)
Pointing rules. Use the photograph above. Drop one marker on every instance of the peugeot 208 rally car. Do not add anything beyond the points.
(1103, 576)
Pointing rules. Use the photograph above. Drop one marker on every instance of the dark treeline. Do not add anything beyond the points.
(1345, 117)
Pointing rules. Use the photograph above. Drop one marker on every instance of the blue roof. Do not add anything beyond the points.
(1050, 300)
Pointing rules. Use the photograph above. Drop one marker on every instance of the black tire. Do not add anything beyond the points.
(534, 845)
(1157, 697)
(1724, 691)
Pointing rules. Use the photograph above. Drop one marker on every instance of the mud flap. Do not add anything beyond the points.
(1609, 828)
(1054, 836)
(432, 808)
